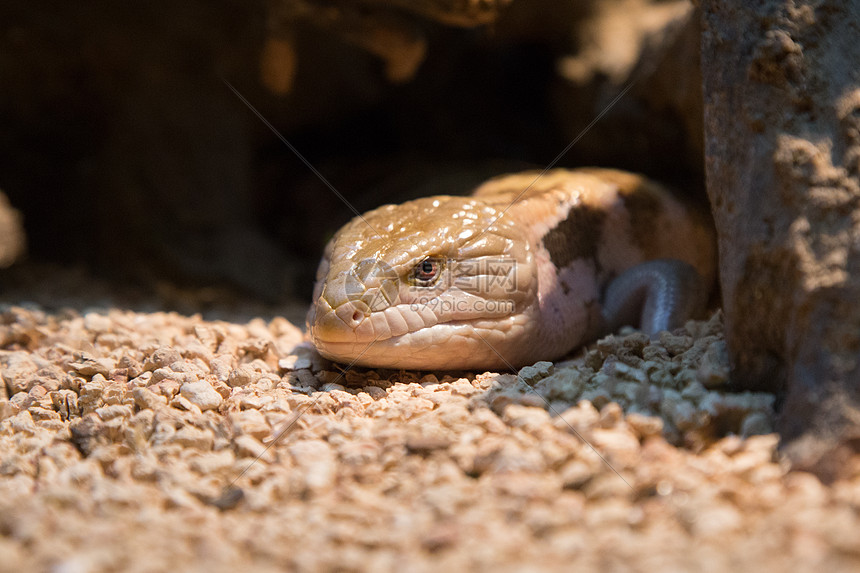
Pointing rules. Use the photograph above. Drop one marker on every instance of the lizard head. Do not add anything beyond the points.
(435, 283)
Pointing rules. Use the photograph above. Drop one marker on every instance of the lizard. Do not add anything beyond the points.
(528, 267)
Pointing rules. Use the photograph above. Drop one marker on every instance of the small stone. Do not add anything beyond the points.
(756, 424)
(685, 416)
(167, 388)
(167, 373)
(628, 392)
(196, 350)
(162, 358)
(133, 367)
(37, 396)
(209, 462)
(294, 362)
(620, 443)
(144, 379)
(222, 367)
(147, 399)
(599, 397)
(428, 379)
(582, 417)
(330, 377)
(242, 376)
(255, 347)
(40, 414)
(645, 426)
(528, 418)
(115, 411)
(118, 375)
(23, 422)
(717, 520)
(675, 344)
(316, 463)
(713, 372)
(191, 437)
(635, 342)
(375, 392)
(531, 374)
(594, 359)
(8, 409)
(248, 446)
(66, 403)
(201, 394)
(222, 388)
(306, 379)
(300, 357)
(463, 387)
(610, 415)
(19, 400)
(628, 372)
(17, 369)
(576, 474)
(183, 403)
(252, 422)
(655, 353)
(89, 366)
(116, 393)
(97, 322)
(694, 392)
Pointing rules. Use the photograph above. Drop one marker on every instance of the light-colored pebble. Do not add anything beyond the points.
(201, 394)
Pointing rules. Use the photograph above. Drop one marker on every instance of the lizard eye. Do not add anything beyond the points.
(426, 272)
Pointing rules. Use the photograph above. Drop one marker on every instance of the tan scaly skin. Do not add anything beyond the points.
(503, 278)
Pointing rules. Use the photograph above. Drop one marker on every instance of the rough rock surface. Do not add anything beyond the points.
(107, 461)
(782, 122)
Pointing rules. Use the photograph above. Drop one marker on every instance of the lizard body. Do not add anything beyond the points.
(526, 268)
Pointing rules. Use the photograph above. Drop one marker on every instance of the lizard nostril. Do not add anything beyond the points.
(352, 314)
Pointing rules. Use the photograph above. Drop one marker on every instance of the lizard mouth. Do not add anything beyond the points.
(442, 347)
(415, 338)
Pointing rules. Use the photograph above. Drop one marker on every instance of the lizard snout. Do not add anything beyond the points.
(336, 324)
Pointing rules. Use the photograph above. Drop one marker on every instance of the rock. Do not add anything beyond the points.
(162, 358)
(242, 376)
(201, 394)
(645, 426)
(294, 362)
(316, 463)
(110, 412)
(89, 366)
(146, 399)
(250, 447)
(191, 437)
(531, 374)
(755, 424)
(781, 149)
(713, 371)
(23, 422)
(8, 409)
(16, 369)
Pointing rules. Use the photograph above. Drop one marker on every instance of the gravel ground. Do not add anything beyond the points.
(155, 441)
